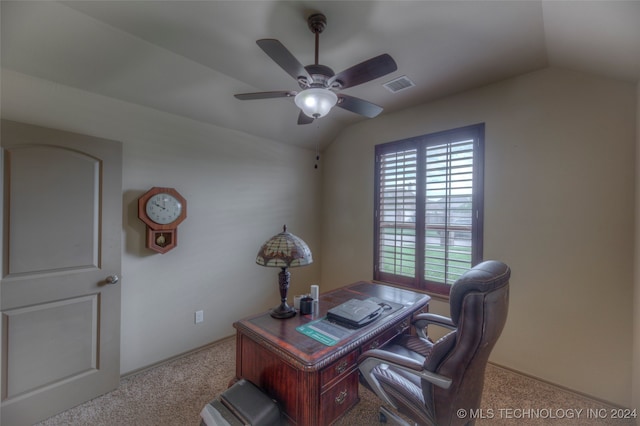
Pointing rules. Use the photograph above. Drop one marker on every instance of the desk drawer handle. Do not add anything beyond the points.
(342, 396)
(342, 367)
(402, 326)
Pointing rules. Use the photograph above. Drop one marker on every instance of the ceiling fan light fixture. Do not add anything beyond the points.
(316, 102)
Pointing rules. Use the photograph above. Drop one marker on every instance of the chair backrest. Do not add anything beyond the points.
(479, 302)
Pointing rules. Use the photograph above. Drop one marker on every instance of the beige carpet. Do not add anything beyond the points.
(173, 394)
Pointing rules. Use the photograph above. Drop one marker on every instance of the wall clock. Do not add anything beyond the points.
(162, 210)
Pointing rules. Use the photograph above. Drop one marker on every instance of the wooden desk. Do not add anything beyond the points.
(316, 384)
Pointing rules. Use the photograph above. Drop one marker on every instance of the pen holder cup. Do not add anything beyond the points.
(306, 306)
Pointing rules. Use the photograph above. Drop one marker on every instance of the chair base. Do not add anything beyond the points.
(385, 416)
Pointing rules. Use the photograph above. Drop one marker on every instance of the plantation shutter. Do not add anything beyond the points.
(428, 208)
(397, 212)
(448, 210)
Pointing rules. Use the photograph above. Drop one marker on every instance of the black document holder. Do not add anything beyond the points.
(355, 313)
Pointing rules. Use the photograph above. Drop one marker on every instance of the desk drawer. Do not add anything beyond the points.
(383, 338)
(339, 368)
(339, 398)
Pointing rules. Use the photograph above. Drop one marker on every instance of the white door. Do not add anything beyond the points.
(60, 289)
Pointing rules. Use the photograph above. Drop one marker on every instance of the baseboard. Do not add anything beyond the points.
(555, 385)
(173, 358)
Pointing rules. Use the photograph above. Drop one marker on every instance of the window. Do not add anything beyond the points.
(428, 208)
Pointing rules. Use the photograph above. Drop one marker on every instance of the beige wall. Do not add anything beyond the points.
(240, 190)
(559, 209)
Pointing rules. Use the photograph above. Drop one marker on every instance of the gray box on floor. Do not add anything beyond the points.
(242, 404)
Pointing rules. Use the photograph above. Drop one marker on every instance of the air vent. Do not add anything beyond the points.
(399, 84)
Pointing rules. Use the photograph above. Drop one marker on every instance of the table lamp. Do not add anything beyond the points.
(284, 250)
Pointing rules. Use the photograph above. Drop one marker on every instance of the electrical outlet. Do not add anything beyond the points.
(199, 317)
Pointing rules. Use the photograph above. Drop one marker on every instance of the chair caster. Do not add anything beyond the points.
(385, 415)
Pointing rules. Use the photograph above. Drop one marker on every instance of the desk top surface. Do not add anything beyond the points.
(282, 333)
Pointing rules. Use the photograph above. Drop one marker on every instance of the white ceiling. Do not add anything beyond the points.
(189, 58)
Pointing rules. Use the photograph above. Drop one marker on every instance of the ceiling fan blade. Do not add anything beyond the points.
(284, 58)
(265, 95)
(365, 71)
(304, 118)
(359, 106)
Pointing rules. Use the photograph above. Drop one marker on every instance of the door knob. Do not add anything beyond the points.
(112, 279)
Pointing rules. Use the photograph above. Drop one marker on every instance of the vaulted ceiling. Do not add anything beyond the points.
(189, 58)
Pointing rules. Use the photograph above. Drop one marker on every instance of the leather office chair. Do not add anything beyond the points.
(430, 382)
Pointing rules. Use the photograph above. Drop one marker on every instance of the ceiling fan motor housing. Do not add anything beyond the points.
(320, 75)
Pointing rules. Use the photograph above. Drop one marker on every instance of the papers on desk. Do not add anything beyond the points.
(329, 333)
(324, 331)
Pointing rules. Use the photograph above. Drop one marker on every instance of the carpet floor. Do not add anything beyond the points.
(173, 393)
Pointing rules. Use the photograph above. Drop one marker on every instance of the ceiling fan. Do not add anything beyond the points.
(320, 85)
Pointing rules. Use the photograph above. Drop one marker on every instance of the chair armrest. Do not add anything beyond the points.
(433, 319)
(371, 358)
(388, 357)
(421, 321)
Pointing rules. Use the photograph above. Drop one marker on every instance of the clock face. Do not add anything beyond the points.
(163, 208)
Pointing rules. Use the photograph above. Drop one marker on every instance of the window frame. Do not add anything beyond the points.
(420, 144)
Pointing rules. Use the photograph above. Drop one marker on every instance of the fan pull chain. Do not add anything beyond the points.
(317, 153)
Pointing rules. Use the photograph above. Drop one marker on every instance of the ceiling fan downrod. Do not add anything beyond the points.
(317, 23)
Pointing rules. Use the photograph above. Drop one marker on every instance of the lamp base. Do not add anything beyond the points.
(283, 311)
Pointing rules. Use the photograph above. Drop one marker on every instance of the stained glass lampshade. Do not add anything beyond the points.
(284, 250)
